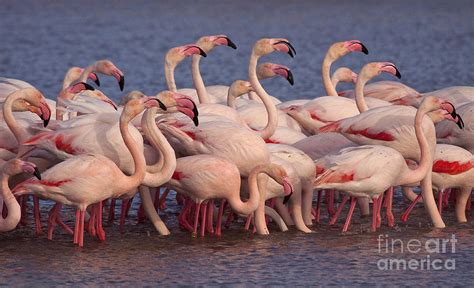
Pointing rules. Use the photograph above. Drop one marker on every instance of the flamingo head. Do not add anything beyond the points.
(266, 46)
(373, 69)
(36, 99)
(340, 49)
(136, 106)
(176, 102)
(344, 74)
(207, 43)
(269, 70)
(17, 166)
(134, 94)
(240, 87)
(175, 55)
(97, 94)
(75, 72)
(106, 67)
(448, 111)
(279, 174)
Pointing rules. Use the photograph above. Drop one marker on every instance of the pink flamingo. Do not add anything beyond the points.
(11, 168)
(323, 110)
(348, 170)
(390, 91)
(454, 94)
(64, 183)
(448, 133)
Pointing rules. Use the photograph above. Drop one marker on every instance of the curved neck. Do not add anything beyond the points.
(17, 130)
(86, 72)
(359, 93)
(272, 122)
(14, 211)
(334, 81)
(254, 194)
(197, 80)
(231, 97)
(138, 158)
(326, 70)
(426, 161)
(159, 142)
(169, 75)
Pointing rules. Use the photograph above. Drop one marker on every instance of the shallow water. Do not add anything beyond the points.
(430, 42)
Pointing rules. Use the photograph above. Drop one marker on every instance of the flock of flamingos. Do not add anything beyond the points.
(234, 151)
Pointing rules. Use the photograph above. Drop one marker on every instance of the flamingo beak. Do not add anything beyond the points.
(290, 78)
(93, 76)
(37, 173)
(193, 49)
(230, 43)
(187, 107)
(121, 82)
(79, 87)
(359, 46)
(392, 69)
(288, 188)
(459, 121)
(364, 49)
(45, 113)
(291, 50)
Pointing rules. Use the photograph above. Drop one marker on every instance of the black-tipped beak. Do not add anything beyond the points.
(162, 106)
(96, 80)
(196, 114)
(364, 49)
(45, 122)
(459, 121)
(230, 43)
(37, 173)
(291, 49)
(86, 86)
(121, 82)
(287, 198)
(290, 78)
(397, 73)
(201, 52)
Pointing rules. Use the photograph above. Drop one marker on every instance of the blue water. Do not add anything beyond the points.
(429, 41)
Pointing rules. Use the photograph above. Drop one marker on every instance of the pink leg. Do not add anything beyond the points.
(112, 211)
(407, 212)
(123, 214)
(210, 217)
(389, 213)
(440, 202)
(248, 221)
(468, 204)
(36, 208)
(24, 214)
(81, 229)
(91, 223)
(349, 214)
(375, 210)
(179, 199)
(162, 201)
(229, 219)
(219, 218)
(339, 210)
(203, 218)
(183, 215)
(52, 219)
(77, 226)
(129, 204)
(100, 229)
(318, 207)
(450, 196)
(330, 200)
(196, 219)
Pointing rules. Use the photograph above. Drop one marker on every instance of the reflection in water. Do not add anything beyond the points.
(45, 38)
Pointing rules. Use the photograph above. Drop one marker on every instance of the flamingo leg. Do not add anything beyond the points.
(24, 204)
(51, 220)
(440, 201)
(112, 211)
(183, 215)
(196, 219)
(81, 228)
(77, 226)
(91, 223)
(330, 201)
(162, 199)
(100, 229)
(339, 210)
(203, 218)
(407, 212)
(349, 214)
(379, 210)
(468, 204)
(219, 218)
(210, 217)
(248, 221)
(123, 214)
(36, 208)
(318, 207)
(388, 212)
(229, 219)
(374, 213)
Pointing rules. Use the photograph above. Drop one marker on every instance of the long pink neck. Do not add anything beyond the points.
(197, 80)
(17, 130)
(359, 92)
(14, 211)
(272, 123)
(326, 70)
(136, 178)
(169, 75)
(159, 142)
(85, 73)
(426, 159)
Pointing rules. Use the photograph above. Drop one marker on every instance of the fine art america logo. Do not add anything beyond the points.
(415, 254)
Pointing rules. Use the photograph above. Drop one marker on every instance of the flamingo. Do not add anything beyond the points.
(454, 94)
(8, 169)
(390, 91)
(200, 177)
(348, 170)
(453, 167)
(91, 178)
(319, 112)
